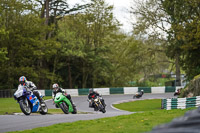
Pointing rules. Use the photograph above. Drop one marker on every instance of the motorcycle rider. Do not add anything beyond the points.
(92, 95)
(30, 86)
(141, 92)
(57, 89)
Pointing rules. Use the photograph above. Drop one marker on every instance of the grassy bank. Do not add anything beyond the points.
(140, 105)
(134, 123)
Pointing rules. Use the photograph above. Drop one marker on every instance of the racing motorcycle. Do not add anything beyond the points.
(62, 102)
(138, 94)
(29, 103)
(98, 105)
(177, 92)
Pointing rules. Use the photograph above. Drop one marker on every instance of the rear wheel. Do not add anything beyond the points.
(64, 108)
(25, 106)
(74, 109)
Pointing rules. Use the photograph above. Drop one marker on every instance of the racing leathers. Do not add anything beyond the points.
(31, 87)
(91, 97)
(68, 96)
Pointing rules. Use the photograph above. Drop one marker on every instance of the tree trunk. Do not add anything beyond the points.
(178, 72)
(84, 76)
(54, 69)
(69, 74)
(47, 12)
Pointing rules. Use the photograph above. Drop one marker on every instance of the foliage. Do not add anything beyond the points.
(80, 50)
(185, 30)
(192, 89)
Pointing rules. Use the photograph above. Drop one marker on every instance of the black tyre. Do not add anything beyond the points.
(75, 110)
(134, 97)
(25, 107)
(64, 108)
(43, 109)
(104, 110)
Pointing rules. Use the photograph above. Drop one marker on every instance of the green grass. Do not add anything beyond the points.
(8, 106)
(134, 123)
(47, 97)
(140, 105)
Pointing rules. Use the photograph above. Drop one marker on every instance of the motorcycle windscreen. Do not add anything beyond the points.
(35, 102)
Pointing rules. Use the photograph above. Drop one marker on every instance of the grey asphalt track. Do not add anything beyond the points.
(22, 122)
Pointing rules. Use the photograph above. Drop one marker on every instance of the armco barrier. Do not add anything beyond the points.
(7, 93)
(83, 91)
(72, 92)
(180, 103)
(48, 92)
(116, 90)
(145, 89)
(130, 90)
(103, 91)
(157, 89)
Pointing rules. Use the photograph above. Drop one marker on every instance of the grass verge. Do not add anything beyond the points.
(140, 105)
(9, 106)
(134, 123)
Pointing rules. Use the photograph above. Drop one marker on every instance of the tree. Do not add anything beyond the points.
(185, 18)
(153, 22)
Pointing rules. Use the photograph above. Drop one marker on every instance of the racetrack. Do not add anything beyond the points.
(22, 122)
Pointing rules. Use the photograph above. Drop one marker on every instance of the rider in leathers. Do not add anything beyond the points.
(91, 96)
(30, 86)
(57, 89)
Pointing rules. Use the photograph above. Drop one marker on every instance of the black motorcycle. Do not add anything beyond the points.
(138, 94)
(97, 104)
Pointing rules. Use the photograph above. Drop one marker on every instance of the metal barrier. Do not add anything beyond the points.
(6, 93)
(180, 103)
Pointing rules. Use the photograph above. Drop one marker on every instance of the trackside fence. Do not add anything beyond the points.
(102, 91)
(180, 103)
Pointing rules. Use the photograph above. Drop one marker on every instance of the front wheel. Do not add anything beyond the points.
(102, 108)
(25, 106)
(64, 108)
(43, 109)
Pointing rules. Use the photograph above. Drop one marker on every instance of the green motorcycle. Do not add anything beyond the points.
(67, 107)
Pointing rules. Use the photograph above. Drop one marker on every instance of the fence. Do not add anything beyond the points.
(180, 103)
(6, 93)
(103, 91)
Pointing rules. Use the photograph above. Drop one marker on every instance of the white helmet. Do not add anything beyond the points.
(55, 85)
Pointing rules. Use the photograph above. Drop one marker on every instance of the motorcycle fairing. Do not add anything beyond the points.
(35, 102)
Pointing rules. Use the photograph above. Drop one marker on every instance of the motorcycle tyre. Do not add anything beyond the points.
(21, 103)
(64, 108)
(74, 109)
(43, 111)
(102, 108)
